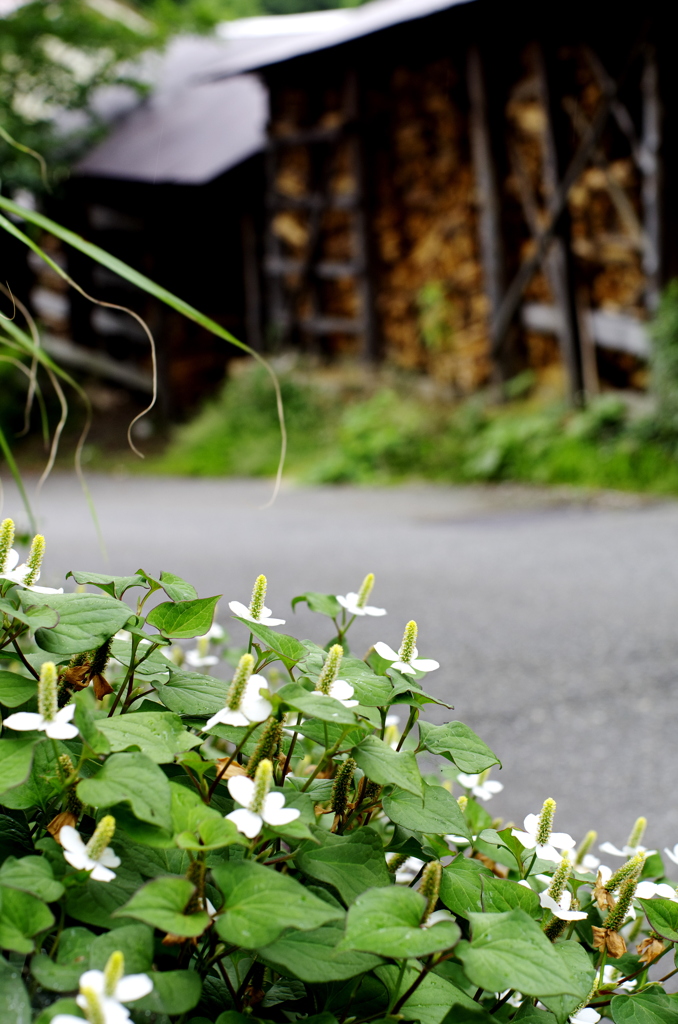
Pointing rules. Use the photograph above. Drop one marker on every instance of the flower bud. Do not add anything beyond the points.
(584, 847)
(113, 972)
(262, 784)
(6, 541)
(365, 590)
(342, 784)
(406, 651)
(239, 683)
(631, 869)
(617, 915)
(430, 886)
(258, 597)
(103, 834)
(463, 802)
(559, 879)
(637, 833)
(330, 670)
(545, 823)
(47, 691)
(268, 744)
(34, 560)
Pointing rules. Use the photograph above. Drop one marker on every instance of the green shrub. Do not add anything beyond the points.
(268, 849)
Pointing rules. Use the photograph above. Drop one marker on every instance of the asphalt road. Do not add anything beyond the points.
(554, 619)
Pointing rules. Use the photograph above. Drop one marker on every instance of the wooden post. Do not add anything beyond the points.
(559, 256)
(487, 198)
(651, 183)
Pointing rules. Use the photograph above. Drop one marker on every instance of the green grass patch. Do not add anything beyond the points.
(384, 434)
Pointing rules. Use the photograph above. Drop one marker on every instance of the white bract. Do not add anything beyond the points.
(548, 851)
(79, 855)
(611, 976)
(21, 573)
(350, 603)
(252, 708)
(253, 813)
(128, 989)
(587, 1015)
(561, 908)
(590, 862)
(57, 728)
(485, 790)
(672, 854)
(413, 663)
(342, 691)
(646, 890)
(436, 917)
(626, 851)
(264, 618)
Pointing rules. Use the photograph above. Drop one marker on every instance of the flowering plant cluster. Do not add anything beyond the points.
(287, 839)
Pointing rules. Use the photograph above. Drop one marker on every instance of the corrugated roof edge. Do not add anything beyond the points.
(266, 50)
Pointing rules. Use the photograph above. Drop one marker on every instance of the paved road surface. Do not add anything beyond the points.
(555, 621)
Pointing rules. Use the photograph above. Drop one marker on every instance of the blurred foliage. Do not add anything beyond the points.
(389, 435)
(56, 55)
(664, 360)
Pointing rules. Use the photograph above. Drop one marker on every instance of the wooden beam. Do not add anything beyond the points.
(559, 257)
(651, 183)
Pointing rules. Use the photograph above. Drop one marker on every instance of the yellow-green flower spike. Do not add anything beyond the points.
(637, 833)
(113, 972)
(560, 878)
(429, 888)
(584, 847)
(34, 560)
(262, 784)
(330, 670)
(239, 682)
(463, 802)
(269, 741)
(395, 863)
(365, 590)
(406, 651)
(6, 541)
(632, 869)
(103, 834)
(545, 823)
(342, 784)
(617, 915)
(258, 597)
(48, 704)
(94, 1011)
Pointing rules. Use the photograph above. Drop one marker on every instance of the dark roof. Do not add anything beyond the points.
(204, 115)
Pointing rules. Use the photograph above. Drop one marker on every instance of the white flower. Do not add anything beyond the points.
(393, 720)
(84, 858)
(626, 851)
(128, 989)
(611, 976)
(264, 618)
(561, 909)
(413, 664)
(57, 728)
(646, 890)
(409, 870)
(672, 854)
(436, 917)
(590, 862)
(197, 660)
(587, 1015)
(215, 632)
(16, 574)
(460, 840)
(350, 603)
(253, 813)
(484, 790)
(341, 691)
(252, 708)
(549, 851)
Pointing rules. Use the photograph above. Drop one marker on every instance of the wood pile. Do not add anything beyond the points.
(431, 304)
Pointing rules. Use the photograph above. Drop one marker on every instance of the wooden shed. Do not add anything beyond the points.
(466, 189)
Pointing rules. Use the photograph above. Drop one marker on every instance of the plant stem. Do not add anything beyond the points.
(415, 985)
(396, 990)
(286, 766)
(413, 716)
(327, 756)
(222, 771)
(21, 654)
